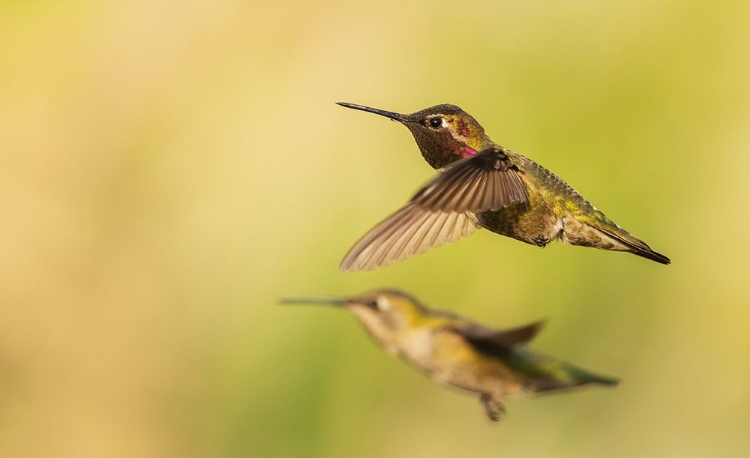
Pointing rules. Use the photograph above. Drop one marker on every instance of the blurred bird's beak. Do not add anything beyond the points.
(325, 300)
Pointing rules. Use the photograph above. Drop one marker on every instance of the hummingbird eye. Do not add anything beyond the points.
(436, 122)
(379, 303)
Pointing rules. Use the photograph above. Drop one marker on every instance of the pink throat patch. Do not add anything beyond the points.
(466, 151)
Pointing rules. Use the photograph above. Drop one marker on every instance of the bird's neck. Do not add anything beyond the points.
(440, 152)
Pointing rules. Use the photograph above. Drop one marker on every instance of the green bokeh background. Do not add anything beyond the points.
(170, 169)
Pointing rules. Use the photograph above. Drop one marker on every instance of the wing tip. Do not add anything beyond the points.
(409, 231)
(527, 332)
(354, 267)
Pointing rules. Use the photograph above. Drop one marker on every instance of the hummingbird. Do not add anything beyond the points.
(481, 184)
(495, 363)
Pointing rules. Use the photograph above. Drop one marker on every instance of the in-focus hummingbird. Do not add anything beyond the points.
(456, 351)
(482, 184)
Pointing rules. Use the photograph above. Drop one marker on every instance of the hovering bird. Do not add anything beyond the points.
(456, 351)
(482, 184)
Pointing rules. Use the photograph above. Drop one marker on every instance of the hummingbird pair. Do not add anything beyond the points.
(480, 185)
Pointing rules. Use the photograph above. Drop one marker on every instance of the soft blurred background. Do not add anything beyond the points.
(169, 169)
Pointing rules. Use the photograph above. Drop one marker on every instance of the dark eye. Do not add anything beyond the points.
(373, 304)
(436, 122)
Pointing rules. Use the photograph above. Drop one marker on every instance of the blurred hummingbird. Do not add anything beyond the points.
(456, 351)
(482, 184)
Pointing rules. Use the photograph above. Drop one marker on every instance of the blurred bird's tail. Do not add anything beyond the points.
(574, 377)
(545, 373)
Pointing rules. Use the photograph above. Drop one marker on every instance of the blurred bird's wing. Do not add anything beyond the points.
(484, 182)
(497, 342)
(410, 230)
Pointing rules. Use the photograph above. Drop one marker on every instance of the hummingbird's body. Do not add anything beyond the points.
(555, 211)
(484, 185)
(455, 351)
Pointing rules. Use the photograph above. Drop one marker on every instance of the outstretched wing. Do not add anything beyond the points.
(410, 230)
(484, 182)
(442, 211)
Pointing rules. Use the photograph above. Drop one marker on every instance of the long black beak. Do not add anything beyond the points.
(388, 114)
(325, 300)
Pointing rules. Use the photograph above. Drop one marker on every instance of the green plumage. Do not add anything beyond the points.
(547, 373)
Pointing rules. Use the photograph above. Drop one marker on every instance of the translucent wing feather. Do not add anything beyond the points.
(409, 231)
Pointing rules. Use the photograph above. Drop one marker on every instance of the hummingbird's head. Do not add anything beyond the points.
(444, 133)
(383, 312)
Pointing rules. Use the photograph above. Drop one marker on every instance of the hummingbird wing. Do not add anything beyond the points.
(410, 230)
(441, 212)
(496, 341)
(486, 181)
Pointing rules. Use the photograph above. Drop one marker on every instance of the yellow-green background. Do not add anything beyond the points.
(168, 170)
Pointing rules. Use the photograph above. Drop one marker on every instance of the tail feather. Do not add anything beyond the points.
(599, 232)
(546, 373)
(650, 254)
(576, 377)
(636, 246)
